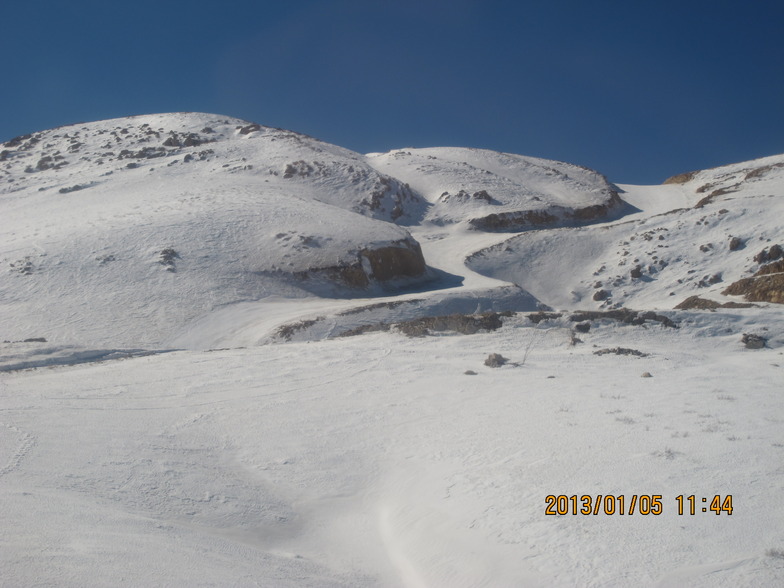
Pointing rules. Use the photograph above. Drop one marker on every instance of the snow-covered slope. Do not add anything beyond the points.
(121, 232)
(688, 239)
(500, 191)
(231, 357)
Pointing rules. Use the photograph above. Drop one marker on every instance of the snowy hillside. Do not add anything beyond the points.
(234, 355)
(121, 232)
(500, 191)
(706, 237)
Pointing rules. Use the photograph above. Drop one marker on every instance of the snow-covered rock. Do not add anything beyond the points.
(495, 191)
(181, 404)
(687, 238)
(122, 231)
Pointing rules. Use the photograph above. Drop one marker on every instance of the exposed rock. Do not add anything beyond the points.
(775, 252)
(511, 221)
(465, 324)
(771, 268)
(537, 317)
(167, 257)
(70, 189)
(736, 243)
(646, 375)
(764, 288)
(600, 295)
(697, 303)
(680, 178)
(251, 128)
(624, 315)
(636, 272)
(470, 373)
(597, 211)
(762, 171)
(495, 360)
(463, 196)
(752, 341)
(620, 351)
(299, 168)
(17, 141)
(518, 220)
(707, 281)
(720, 192)
(400, 260)
(286, 331)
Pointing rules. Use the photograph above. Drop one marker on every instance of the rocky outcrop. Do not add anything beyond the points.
(399, 260)
(767, 284)
(697, 303)
(550, 217)
(402, 259)
(680, 178)
(764, 288)
(513, 221)
(465, 324)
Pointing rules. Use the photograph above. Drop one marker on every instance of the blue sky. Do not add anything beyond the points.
(637, 90)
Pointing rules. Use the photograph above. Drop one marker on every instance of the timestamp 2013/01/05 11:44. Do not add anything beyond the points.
(634, 504)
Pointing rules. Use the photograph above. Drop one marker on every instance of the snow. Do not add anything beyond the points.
(158, 427)
(452, 179)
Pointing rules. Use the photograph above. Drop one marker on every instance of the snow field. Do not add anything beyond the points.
(177, 409)
(375, 460)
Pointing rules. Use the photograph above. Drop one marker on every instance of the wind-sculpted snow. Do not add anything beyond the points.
(121, 232)
(235, 355)
(699, 247)
(499, 191)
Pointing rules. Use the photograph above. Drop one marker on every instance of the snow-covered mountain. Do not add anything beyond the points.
(304, 397)
(124, 232)
(120, 232)
(694, 236)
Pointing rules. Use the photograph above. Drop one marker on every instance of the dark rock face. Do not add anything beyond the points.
(520, 220)
(680, 178)
(697, 303)
(538, 317)
(623, 315)
(767, 284)
(753, 341)
(400, 260)
(736, 243)
(597, 211)
(511, 221)
(465, 324)
(764, 288)
(772, 254)
(495, 360)
(620, 351)
(251, 128)
(403, 259)
(772, 268)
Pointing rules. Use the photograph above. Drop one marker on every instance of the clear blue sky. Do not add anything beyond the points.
(639, 90)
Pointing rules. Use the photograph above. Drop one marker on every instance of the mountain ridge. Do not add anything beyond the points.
(171, 217)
